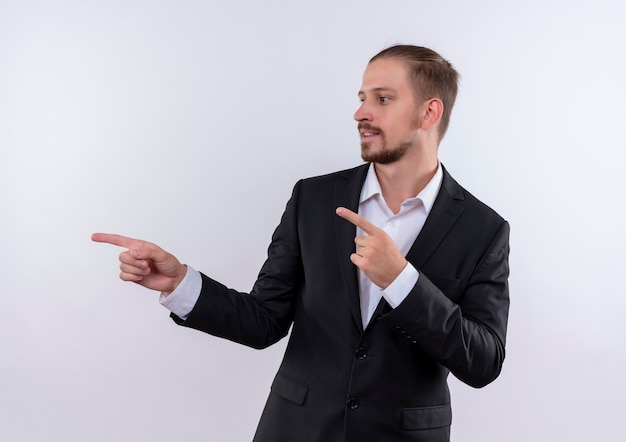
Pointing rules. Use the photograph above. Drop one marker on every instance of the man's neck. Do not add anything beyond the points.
(404, 179)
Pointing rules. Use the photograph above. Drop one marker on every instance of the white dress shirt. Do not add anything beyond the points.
(402, 227)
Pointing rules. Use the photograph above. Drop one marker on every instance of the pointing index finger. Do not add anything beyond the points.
(357, 220)
(110, 238)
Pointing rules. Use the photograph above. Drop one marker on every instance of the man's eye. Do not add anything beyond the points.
(384, 99)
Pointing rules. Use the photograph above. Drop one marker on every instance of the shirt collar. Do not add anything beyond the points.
(371, 188)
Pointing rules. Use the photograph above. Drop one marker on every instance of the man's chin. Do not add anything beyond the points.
(368, 154)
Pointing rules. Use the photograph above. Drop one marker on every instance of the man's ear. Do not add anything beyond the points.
(432, 110)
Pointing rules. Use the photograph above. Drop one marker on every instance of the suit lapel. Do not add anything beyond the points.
(445, 212)
(441, 219)
(347, 194)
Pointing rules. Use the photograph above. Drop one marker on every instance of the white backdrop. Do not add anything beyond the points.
(188, 122)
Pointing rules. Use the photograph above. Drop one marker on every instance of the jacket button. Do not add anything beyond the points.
(361, 354)
(353, 404)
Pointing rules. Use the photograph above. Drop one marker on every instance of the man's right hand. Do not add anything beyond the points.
(145, 263)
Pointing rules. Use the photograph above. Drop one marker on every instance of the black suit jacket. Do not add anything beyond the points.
(337, 381)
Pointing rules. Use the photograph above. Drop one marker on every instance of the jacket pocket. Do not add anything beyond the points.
(425, 418)
(290, 389)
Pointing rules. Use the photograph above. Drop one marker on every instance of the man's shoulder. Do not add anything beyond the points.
(353, 177)
(342, 187)
(346, 174)
(470, 202)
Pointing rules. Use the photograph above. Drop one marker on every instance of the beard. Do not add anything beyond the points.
(384, 155)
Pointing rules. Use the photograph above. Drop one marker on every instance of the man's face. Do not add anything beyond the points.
(387, 117)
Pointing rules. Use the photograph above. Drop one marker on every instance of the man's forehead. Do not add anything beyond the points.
(385, 75)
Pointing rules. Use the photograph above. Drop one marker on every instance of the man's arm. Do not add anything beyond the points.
(264, 316)
(469, 337)
(219, 311)
(256, 319)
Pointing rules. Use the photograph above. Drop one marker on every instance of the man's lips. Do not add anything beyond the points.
(367, 132)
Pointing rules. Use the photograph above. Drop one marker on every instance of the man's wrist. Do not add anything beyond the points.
(399, 289)
(182, 300)
(182, 272)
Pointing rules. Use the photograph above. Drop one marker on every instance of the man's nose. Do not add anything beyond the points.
(363, 113)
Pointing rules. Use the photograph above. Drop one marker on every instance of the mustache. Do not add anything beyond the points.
(366, 126)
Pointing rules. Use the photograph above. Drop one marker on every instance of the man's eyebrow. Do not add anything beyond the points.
(378, 90)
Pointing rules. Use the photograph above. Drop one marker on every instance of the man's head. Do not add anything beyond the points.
(433, 76)
(407, 95)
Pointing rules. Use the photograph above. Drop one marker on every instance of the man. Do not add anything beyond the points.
(390, 275)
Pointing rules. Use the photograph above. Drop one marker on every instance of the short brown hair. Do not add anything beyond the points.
(434, 76)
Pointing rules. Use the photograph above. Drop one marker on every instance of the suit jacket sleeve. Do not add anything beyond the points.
(264, 316)
(466, 335)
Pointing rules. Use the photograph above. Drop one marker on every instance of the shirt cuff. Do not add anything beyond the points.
(184, 297)
(400, 288)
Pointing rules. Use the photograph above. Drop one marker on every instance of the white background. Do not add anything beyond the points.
(188, 122)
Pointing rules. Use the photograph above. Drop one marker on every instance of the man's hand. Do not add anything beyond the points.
(376, 253)
(145, 263)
